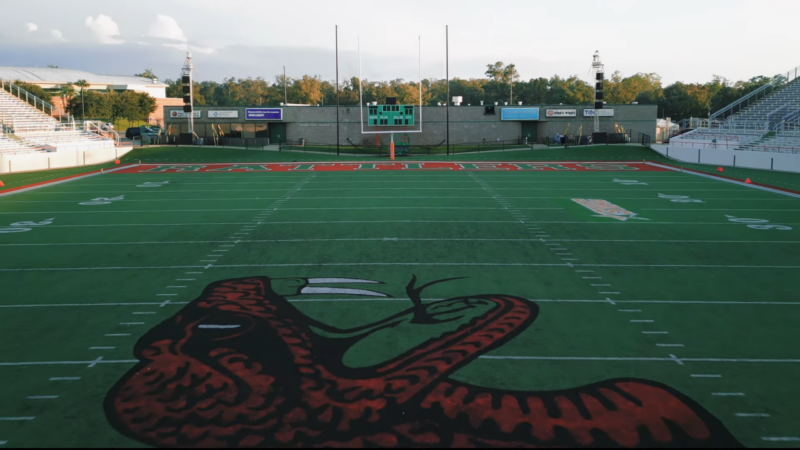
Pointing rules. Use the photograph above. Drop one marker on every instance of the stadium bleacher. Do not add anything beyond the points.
(771, 124)
(33, 129)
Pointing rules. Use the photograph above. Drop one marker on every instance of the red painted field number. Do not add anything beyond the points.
(757, 224)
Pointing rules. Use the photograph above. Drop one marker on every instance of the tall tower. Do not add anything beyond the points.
(599, 72)
(188, 95)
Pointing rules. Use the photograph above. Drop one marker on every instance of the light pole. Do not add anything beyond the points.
(284, 86)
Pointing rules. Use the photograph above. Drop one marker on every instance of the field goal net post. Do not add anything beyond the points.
(398, 127)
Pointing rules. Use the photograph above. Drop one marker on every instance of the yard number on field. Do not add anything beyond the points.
(103, 200)
(21, 227)
(758, 224)
(151, 184)
(629, 182)
(679, 198)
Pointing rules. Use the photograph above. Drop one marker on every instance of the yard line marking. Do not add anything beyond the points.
(630, 310)
(218, 326)
(65, 378)
(599, 285)
(131, 323)
(676, 359)
(699, 375)
(610, 301)
(16, 418)
(176, 287)
(726, 180)
(166, 295)
(185, 279)
(607, 293)
(95, 362)
(726, 209)
(592, 278)
(102, 348)
(117, 334)
(752, 415)
(642, 321)
(728, 394)
(3, 442)
(781, 439)
(208, 266)
(148, 312)
(194, 273)
(655, 332)
(41, 397)
(643, 359)
(669, 345)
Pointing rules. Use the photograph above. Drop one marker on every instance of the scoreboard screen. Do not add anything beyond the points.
(391, 115)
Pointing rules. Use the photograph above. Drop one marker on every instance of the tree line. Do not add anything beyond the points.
(501, 84)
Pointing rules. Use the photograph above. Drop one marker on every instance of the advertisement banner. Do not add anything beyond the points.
(263, 114)
(227, 114)
(562, 113)
(178, 114)
(519, 114)
(598, 112)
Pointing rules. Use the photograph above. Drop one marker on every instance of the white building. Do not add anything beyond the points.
(55, 78)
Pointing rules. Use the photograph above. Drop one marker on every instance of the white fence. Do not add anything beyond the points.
(786, 162)
(70, 157)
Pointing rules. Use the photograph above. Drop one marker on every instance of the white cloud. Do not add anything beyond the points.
(32, 27)
(104, 29)
(166, 27)
(57, 35)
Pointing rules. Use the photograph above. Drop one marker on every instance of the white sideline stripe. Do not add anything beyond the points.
(738, 183)
(705, 376)
(634, 358)
(414, 207)
(54, 183)
(41, 397)
(688, 302)
(728, 394)
(317, 198)
(781, 439)
(16, 418)
(401, 181)
(752, 415)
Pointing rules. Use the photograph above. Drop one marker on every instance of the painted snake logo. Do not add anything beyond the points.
(242, 367)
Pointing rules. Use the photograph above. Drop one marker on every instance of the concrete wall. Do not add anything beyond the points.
(317, 124)
(785, 162)
(59, 159)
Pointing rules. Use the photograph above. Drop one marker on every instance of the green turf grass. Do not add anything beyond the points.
(676, 269)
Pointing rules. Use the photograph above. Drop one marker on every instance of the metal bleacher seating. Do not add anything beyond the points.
(26, 128)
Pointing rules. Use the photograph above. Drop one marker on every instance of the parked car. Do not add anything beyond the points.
(136, 132)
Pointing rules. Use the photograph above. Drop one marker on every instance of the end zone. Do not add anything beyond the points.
(355, 166)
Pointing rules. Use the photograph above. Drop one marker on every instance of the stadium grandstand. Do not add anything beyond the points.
(767, 120)
(31, 125)
(52, 79)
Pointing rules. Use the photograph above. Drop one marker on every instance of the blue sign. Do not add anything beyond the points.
(263, 114)
(519, 114)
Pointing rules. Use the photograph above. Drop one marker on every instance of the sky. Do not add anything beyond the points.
(688, 41)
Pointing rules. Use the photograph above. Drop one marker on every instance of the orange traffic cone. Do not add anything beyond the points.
(719, 169)
(116, 161)
(1, 183)
(748, 181)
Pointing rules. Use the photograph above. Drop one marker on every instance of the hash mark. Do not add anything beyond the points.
(751, 415)
(728, 394)
(698, 375)
(64, 378)
(41, 397)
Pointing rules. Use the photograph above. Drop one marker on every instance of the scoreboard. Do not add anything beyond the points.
(391, 115)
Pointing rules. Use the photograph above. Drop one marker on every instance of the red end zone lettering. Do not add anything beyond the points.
(409, 166)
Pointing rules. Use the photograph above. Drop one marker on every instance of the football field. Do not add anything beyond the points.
(557, 303)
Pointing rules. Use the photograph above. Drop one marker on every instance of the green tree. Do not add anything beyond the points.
(92, 104)
(82, 84)
(66, 92)
(35, 90)
(147, 74)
